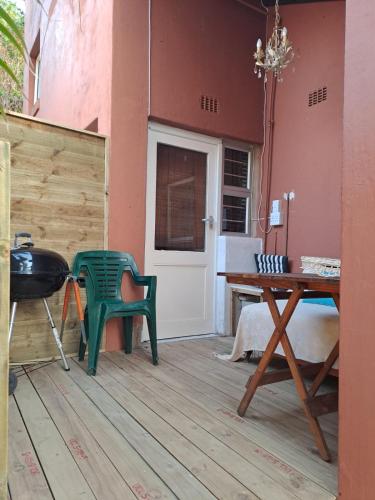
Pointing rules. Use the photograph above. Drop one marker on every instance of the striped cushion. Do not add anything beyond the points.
(267, 263)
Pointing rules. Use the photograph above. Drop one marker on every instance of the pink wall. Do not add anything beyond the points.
(100, 69)
(76, 54)
(357, 340)
(205, 47)
(79, 83)
(307, 155)
(127, 194)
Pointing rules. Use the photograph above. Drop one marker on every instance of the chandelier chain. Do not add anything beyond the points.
(277, 14)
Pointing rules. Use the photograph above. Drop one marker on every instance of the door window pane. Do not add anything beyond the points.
(180, 199)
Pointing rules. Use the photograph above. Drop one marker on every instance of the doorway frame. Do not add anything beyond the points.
(208, 142)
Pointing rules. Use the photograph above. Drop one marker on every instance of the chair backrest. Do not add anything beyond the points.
(270, 263)
(104, 269)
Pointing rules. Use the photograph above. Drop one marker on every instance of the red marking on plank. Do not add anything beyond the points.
(278, 463)
(64, 391)
(231, 415)
(30, 463)
(141, 492)
(77, 449)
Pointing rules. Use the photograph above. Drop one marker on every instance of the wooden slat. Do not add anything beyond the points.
(224, 379)
(64, 477)
(251, 476)
(103, 478)
(265, 474)
(121, 436)
(283, 395)
(22, 130)
(219, 482)
(127, 458)
(285, 374)
(26, 477)
(154, 425)
(286, 281)
(58, 194)
(269, 424)
(323, 404)
(334, 354)
(4, 311)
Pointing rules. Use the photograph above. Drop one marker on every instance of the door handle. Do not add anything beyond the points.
(209, 220)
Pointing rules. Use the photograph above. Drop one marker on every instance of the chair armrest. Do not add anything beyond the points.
(143, 280)
(149, 281)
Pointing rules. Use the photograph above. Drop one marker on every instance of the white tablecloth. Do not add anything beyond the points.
(313, 331)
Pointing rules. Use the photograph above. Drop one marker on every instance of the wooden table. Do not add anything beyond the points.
(299, 285)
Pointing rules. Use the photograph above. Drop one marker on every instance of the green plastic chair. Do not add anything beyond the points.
(103, 272)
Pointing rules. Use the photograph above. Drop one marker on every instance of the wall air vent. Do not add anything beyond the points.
(317, 96)
(210, 104)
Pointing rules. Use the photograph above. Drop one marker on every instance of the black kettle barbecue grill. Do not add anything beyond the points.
(35, 273)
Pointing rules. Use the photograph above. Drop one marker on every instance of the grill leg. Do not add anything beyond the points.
(56, 336)
(12, 318)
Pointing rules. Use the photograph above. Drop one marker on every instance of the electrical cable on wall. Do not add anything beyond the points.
(266, 229)
(273, 59)
(263, 230)
(287, 223)
(262, 160)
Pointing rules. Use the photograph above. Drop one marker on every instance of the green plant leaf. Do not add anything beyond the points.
(12, 40)
(6, 17)
(7, 69)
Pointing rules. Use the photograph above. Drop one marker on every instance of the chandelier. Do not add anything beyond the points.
(278, 53)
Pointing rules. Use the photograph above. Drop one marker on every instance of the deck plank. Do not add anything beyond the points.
(265, 478)
(99, 472)
(163, 432)
(284, 393)
(212, 476)
(64, 477)
(228, 459)
(225, 379)
(222, 408)
(267, 431)
(116, 429)
(26, 478)
(209, 347)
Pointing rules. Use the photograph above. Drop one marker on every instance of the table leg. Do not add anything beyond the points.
(334, 354)
(279, 331)
(336, 298)
(298, 379)
(319, 379)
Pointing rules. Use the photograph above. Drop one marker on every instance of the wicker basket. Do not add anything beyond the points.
(323, 266)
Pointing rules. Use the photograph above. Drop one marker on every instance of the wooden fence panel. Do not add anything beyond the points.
(58, 194)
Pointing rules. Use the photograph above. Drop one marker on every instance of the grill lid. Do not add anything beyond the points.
(35, 272)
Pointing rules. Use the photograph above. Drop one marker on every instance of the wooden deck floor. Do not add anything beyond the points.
(139, 431)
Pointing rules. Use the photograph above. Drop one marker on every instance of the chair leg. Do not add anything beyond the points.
(127, 323)
(96, 324)
(82, 345)
(151, 323)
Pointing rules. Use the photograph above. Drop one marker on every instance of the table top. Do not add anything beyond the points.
(286, 281)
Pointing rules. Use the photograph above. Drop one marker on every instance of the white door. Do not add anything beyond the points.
(181, 228)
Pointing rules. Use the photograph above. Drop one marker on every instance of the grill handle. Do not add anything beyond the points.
(23, 235)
